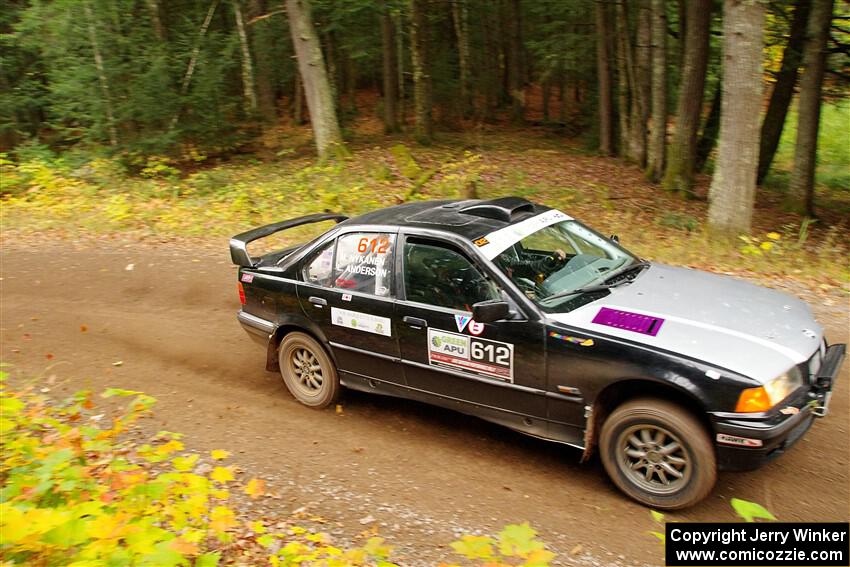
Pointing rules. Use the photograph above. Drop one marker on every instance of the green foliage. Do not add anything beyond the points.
(833, 169)
(750, 511)
(79, 489)
(744, 509)
(516, 544)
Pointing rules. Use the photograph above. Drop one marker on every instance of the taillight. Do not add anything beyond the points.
(241, 293)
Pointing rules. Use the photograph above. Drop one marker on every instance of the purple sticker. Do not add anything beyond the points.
(247, 278)
(635, 322)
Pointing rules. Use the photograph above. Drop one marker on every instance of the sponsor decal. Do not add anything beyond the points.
(346, 297)
(789, 410)
(482, 357)
(461, 321)
(476, 328)
(361, 321)
(247, 278)
(481, 241)
(499, 240)
(574, 340)
(739, 441)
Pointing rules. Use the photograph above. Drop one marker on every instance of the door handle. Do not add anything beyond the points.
(318, 301)
(415, 322)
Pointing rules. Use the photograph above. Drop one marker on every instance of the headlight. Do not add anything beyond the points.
(765, 397)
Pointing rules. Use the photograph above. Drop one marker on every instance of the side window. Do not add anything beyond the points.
(320, 269)
(364, 262)
(439, 275)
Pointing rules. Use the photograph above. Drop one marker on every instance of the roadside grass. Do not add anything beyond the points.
(833, 168)
(158, 200)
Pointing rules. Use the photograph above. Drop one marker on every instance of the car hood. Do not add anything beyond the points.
(729, 323)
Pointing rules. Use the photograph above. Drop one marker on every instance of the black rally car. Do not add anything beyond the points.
(521, 315)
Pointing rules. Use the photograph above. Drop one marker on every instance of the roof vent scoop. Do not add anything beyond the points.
(503, 209)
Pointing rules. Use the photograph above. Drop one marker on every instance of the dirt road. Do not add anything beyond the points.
(423, 474)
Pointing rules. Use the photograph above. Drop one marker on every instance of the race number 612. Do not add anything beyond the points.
(377, 245)
(494, 354)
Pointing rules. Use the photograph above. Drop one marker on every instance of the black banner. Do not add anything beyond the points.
(775, 544)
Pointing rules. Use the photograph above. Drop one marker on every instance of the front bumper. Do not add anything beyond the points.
(777, 430)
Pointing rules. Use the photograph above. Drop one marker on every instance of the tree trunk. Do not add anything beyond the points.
(461, 25)
(802, 186)
(641, 84)
(101, 75)
(603, 73)
(623, 45)
(248, 86)
(390, 70)
(266, 95)
(733, 187)
(710, 129)
(193, 59)
(423, 124)
(678, 176)
(682, 8)
(783, 88)
(317, 89)
(658, 118)
(547, 96)
(298, 99)
(514, 61)
(156, 19)
(399, 35)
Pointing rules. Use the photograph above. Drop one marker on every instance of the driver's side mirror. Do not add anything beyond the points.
(490, 311)
(614, 238)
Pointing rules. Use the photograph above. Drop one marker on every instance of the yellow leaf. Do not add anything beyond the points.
(219, 454)
(774, 235)
(257, 527)
(185, 547)
(255, 488)
(184, 463)
(766, 245)
(222, 474)
(220, 493)
(222, 518)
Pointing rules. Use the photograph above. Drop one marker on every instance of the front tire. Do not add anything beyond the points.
(658, 453)
(308, 371)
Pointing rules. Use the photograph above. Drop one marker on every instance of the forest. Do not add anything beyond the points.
(674, 88)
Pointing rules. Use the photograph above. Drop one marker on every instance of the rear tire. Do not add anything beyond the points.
(658, 453)
(308, 371)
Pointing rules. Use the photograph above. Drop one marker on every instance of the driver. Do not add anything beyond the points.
(518, 264)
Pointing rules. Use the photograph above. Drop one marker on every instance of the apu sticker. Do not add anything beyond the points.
(361, 321)
(483, 357)
(247, 278)
(461, 321)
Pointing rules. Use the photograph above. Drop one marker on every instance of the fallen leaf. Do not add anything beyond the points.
(576, 550)
(118, 363)
(219, 454)
(255, 488)
(83, 328)
(130, 267)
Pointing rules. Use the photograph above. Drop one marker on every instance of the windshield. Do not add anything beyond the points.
(559, 258)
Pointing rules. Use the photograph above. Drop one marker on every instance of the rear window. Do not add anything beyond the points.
(364, 262)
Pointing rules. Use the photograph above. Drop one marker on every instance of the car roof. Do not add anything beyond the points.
(470, 219)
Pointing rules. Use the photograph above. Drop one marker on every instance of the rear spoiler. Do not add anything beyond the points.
(239, 243)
